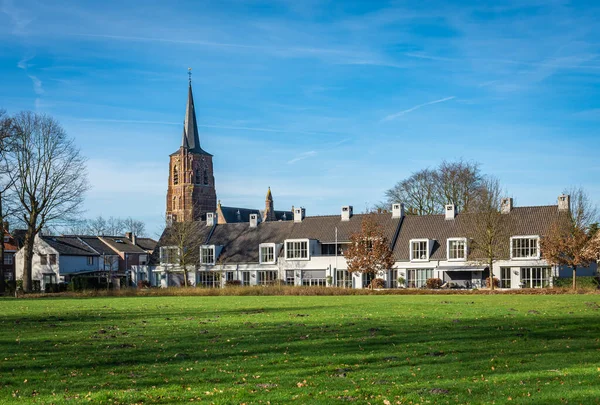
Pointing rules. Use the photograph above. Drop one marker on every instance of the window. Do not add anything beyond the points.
(245, 277)
(290, 279)
(49, 279)
(367, 279)
(175, 175)
(419, 249)
(535, 277)
(267, 277)
(296, 250)
(143, 259)
(208, 279)
(198, 177)
(8, 259)
(207, 255)
(267, 254)
(524, 247)
(205, 177)
(328, 249)
(457, 249)
(52, 259)
(343, 279)
(314, 278)
(157, 278)
(90, 260)
(393, 278)
(43, 260)
(229, 276)
(505, 276)
(417, 278)
(169, 255)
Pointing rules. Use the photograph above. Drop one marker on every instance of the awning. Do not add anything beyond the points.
(462, 268)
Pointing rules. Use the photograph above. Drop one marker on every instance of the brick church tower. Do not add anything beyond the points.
(191, 192)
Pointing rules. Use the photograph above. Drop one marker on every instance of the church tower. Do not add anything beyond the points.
(191, 192)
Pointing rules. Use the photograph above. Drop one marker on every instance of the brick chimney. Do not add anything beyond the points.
(128, 235)
(564, 203)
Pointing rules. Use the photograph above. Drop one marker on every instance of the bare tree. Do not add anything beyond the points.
(457, 183)
(183, 241)
(570, 239)
(416, 192)
(49, 178)
(135, 226)
(97, 226)
(488, 226)
(114, 226)
(428, 191)
(7, 205)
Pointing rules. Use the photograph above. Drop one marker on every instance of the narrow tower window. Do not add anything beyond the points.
(205, 176)
(198, 177)
(175, 175)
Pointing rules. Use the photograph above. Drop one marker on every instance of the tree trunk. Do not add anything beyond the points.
(491, 264)
(2, 287)
(185, 276)
(574, 280)
(28, 260)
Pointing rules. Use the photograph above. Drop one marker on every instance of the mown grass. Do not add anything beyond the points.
(376, 349)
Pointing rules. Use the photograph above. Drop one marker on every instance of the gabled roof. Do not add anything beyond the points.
(146, 243)
(323, 228)
(520, 221)
(11, 245)
(233, 215)
(241, 242)
(100, 247)
(202, 232)
(69, 246)
(121, 244)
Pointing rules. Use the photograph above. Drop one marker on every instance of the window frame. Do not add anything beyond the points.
(273, 255)
(206, 248)
(8, 259)
(43, 259)
(167, 249)
(420, 277)
(299, 249)
(505, 277)
(427, 247)
(465, 249)
(525, 237)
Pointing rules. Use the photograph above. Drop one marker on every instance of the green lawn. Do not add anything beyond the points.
(337, 349)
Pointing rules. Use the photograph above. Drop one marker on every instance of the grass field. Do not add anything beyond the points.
(290, 349)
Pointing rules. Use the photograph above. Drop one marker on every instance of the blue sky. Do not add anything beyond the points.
(328, 102)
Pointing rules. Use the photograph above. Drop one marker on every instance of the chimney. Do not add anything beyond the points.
(253, 220)
(134, 239)
(450, 211)
(564, 203)
(398, 210)
(506, 205)
(299, 214)
(128, 235)
(346, 212)
(6, 226)
(210, 219)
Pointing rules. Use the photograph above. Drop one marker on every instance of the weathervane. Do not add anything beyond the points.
(190, 74)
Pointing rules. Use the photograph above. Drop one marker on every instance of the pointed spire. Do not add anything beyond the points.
(191, 139)
(269, 195)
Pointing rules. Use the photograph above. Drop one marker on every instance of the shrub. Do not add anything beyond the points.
(584, 282)
(329, 280)
(233, 283)
(378, 283)
(434, 283)
(496, 282)
(401, 281)
(144, 284)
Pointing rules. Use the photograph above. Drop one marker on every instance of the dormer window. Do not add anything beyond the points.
(457, 249)
(525, 247)
(267, 253)
(169, 255)
(419, 249)
(207, 255)
(296, 249)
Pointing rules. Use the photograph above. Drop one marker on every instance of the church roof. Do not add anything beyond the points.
(235, 214)
(190, 139)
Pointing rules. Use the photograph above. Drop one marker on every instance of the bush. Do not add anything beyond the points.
(401, 281)
(378, 283)
(434, 283)
(584, 282)
(144, 284)
(496, 282)
(233, 283)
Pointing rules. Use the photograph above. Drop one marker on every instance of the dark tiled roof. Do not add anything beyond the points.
(520, 221)
(234, 215)
(323, 228)
(240, 241)
(11, 245)
(146, 243)
(201, 235)
(69, 246)
(95, 243)
(121, 244)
